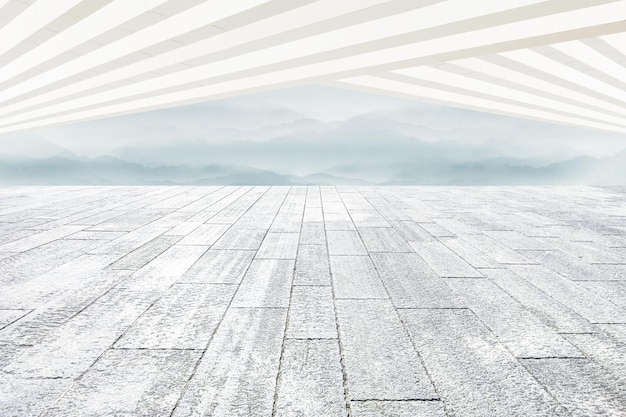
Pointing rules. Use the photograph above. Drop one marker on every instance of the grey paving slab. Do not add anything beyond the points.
(494, 249)
(616, 331)
(443, 261)
(219, 267)
(581, 385)
(313, 233)
(411, 283)
(312, 313)
(237, 374)
(368, 218)
(279, 246)
(588, 304)
(516, 240)
(604, 350)
(28, 397)
(338, 221)
(207, 234)
(267, 283)
(129, 382)
(9, 316)
(613, 291)
(383, 239)
(311, 380)
(185, 318)
(378, 355)
(397, 409)
(470, 254)
(312, 265)
(39, 239)
(344, 242)
(145, 253)
(239, 238)
(525, 335)
(473, 373)
(183, 229)
(355, 277)
(411, 231)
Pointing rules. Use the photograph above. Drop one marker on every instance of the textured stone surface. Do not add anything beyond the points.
(312, 301)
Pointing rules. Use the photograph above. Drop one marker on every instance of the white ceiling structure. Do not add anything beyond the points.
(561, 61)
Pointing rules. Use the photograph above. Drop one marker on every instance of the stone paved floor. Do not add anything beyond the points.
(319, 301)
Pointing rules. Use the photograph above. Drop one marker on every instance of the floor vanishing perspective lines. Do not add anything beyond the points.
(312, 301)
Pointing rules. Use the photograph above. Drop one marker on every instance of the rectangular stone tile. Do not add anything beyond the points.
(549, 310)
(344, 243)
(613, 291)
(443, 261)
(383, 240)
(130, 241)
(94, 235)
(185, 318)
(469, 254)
(500, 253)
(582, 386)
(376, 408)
(28, 397)
(164, 270)
(589, 305)
(74, 346)
(267, 283)
(412, 231)
(145, 253)
(279, 246)
(338, 221)
(207, 234)
(589, 252)
(411, 283)
(313, 233)
(616, 331)
(516, 240)
(237, 374)
(9, 316)
(379, 358)
(437, 230)
(219, 267)
(287, 223)
(457, 227)
(238, 238)
(355, 277)
(183, 229)
(311, 380)
(312, 314)
(517, 328)
(313, 214)
(604, 350)
(473, 373)
(130, 220)
(368, 218)
(39, 239)
(151, 382)
(312, 266)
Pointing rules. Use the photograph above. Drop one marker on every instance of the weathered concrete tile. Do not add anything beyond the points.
(368, 218)
(279, 246)
(313, 213)
(355, 277)
(443, 261)
(589, 252)
(582, 386)
(338, 221)
(267, 283)
(517, 328)
(497, 251)
(219, 267)
(383, 240)
(604, 350)
(344, 243)
(74, 346)
(185, 318)
(284, 223)
(129, 382)
(379, 358)
(130, 241)
(145, 253)
(183, 229)
(613, 291)
(588, 304)
(94, 235)
(572, 267)
(437, 230)
(9, 316)
(397, 409)
(39, 239)
(313, 233)
(473, 373)
(311, 380)
(207, 234)
(312, 266)
(549, 310)
(412, 231)
(164, 270)
(469, 254)
(457, 227)
(22, 397)
(516, 240)
(237, 374)
(616, 331)
(411, 283)
(238, 238)
(312, 313)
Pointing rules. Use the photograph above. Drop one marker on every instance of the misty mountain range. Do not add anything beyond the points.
(373, 162)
